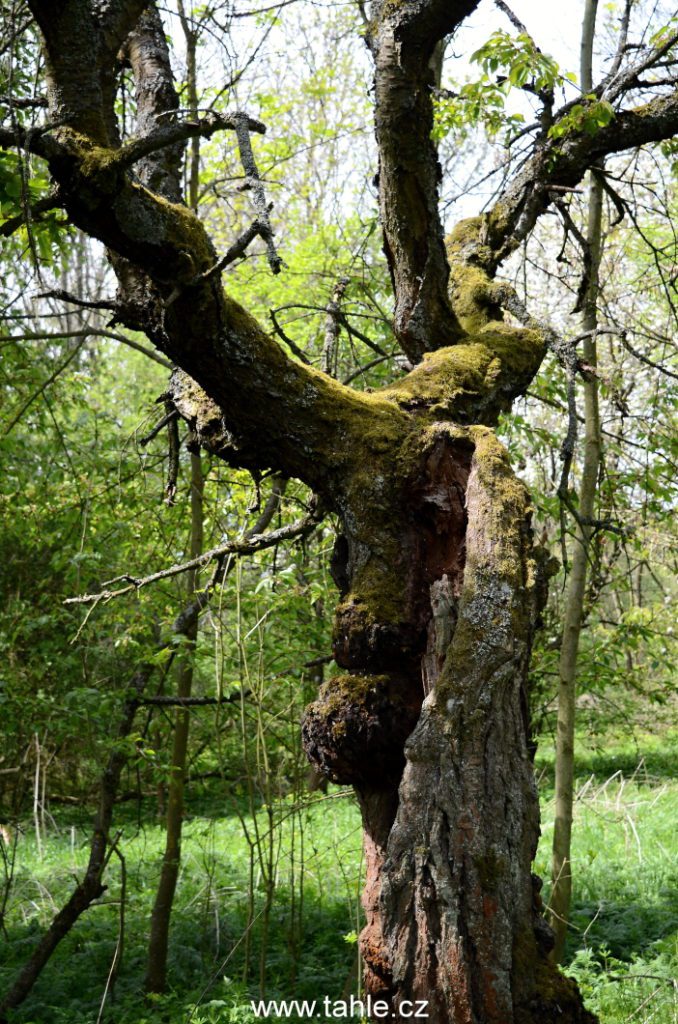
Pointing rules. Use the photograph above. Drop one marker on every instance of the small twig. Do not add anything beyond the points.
(354, 332)
(286, 338)
(64, 296)
(368, 366)
(644, 359)
(194, 702)
(172, 414)
(513, 18)
(619, 204)
(173, 446)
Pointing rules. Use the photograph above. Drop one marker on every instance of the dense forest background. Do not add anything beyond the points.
(99, 491)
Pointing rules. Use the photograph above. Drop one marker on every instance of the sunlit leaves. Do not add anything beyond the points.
(507, 63)
(588, 117)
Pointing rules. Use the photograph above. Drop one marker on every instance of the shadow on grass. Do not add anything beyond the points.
(625, 929)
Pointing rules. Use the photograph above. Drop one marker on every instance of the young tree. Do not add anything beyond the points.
(440, 582)
(561, 891)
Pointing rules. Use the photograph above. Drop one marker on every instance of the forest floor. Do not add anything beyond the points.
(271, 907)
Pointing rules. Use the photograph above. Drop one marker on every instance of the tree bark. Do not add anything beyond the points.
(403, 39)
(561, 873)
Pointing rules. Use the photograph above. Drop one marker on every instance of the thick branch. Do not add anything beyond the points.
(403, 39)
(166, 135)
(563, 162)
(280, 414)
(159, 160)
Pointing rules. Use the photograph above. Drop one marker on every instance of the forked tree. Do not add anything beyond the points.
(440, 581)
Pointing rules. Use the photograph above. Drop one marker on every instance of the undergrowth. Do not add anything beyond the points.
(229, 944)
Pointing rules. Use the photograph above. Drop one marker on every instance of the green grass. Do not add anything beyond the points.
(623, 943)
(623, 946)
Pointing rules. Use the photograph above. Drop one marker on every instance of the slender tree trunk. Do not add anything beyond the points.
(91, 887)
(156, 972)
(574, 603)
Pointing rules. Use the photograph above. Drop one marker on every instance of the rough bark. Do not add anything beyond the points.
(403, 39)
(460, 909)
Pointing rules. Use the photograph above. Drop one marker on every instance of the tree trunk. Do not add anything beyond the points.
(156, 972)
(561, 893)
(450, 814)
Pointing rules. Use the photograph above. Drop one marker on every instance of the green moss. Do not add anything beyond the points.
(495, 602)
(94, 162)
(520, 348)
(441, 378)
(347, 690)
(473, 296)
(491, 869)
(185, 233)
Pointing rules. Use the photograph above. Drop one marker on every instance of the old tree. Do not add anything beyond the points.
(440, 582)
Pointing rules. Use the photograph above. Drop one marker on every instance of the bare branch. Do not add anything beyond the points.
(171, 134)
(64, 296)
(173, 448)
(242, 132)
(286, 338)
(246, 546)
(86, 332)
(332, 328)
(158, 427)
(564, 162)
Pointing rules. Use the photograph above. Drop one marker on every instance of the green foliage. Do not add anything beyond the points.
(21, 187)
(475, 103)
(523, 63)
(507, 63)
(589, 117)
(623, 948)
